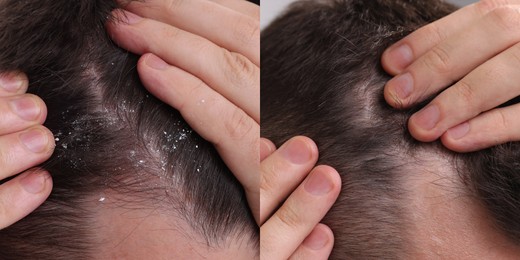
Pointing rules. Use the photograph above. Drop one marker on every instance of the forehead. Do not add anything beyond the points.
(156, 234)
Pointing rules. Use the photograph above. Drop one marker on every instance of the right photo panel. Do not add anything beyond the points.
(390, 130)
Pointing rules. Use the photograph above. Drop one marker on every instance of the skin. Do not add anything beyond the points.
(24, 143)
(446, 221)
(218, 90)
(293, 201)
(137, 232)
(219, 72)
(476, 49)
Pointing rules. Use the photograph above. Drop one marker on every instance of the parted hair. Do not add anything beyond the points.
(112, 137)
(322, 78)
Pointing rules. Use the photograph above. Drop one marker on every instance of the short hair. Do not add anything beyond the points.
(322, 78)
(112, 136)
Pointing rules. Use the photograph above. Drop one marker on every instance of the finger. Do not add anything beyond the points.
(486, 87)
(22, 195)
(20, 112)
(235, 135)
(13, 83)
(441, 66)
(230, 74)
(247, 8)
(401, 54)
(225, 27)
(283, 171)
(23, 150)
(317, 245)
(266, 148)
(495, 127)
(283, 233)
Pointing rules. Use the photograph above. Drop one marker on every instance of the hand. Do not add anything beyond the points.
(478, 49)
(306, 194)
(24, 143)
(211, 50)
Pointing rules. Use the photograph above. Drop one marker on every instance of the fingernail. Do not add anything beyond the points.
(11, 82)
(26, 108)
(297, 151)
(459, 131)
(35, 140)
(131, 18)
(401, 56)
(34, 182)
(156, 63)
(403, 85)
(427, 118)
(318, 184)
(316, 240)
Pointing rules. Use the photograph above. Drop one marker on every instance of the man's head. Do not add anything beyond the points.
(130, 176)
(321, 77)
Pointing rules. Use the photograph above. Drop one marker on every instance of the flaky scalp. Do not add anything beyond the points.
(112, 136)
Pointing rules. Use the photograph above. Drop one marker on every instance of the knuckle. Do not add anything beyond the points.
(465, 92)
(240, 126)
(486, 6)
(5, 158)
(170, 32)
(289, 216)
(186, 104)
(434, 33)
(500, 120)
(438, 60)
(268, 179)
(173, 5)
(5, 212)
(271, 172)
(506, 18)
(515, 55)
(240, 71)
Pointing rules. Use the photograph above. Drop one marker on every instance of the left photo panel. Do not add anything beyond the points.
(129, 129)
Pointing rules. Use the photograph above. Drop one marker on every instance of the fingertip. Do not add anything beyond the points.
(423, 125)
(40, 104)
(37, 182)
(13, 83)
(320, 238)
(23, 194)
(396, 58)
(391, 97)
(458, 146)
(158, 80)
(114, 19)
(311, 145)
(266, 148)
(52, 140)
(124, 30)
(387, 63)
(154, 62)
(323, 180)
(335, 179)
(418, 133)
(120, 16)
(38, 140)
(300, 150)
(150, 77)
(317, 245)
(460, 139)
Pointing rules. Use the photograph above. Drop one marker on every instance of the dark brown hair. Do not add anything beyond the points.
(321, 77)
(112, 136)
